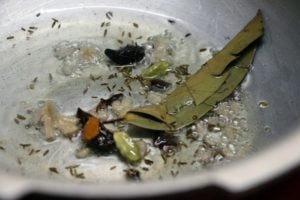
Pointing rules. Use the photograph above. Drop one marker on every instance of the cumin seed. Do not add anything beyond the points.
(71, 170)
(31, 152)
(23, 29)
(10, 37)
(110, 76)
(53, 23)
(202, 49)
(171, 21)
(129, 87)
(120, 41)
(113, 167)
(25, 145)
(2, 148)
(71, 166)
(46, 152)
(37, 151)
(174, 161)
(181, 163)
(50, 77)
(129, 34)
(102, 24)
(35, 80)
(135, 25)
(105, 33)
(21, 117)
(38, 14)
(33, 27)
(94, 78)
(172, 173)
(80, 176)
(30, 32)
(145, 169)
(121, 89)
(109, 15)
(54, 170)
(187, 35)
(148, 162)
(16, 121)
(86, 89)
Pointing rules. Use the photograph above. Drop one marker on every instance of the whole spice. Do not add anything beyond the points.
(127, 147)
(104, 103)
(162, 139)
(53, 169)
(132, 174)
(157, 84)
(82, 116)
(90, 129)
(155, 70)
(216, 80)
(103, 143)
(126, 55)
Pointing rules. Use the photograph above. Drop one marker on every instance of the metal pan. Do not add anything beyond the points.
(274, 78)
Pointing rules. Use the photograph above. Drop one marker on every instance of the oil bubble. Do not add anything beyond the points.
(263, 104)
(267, 129)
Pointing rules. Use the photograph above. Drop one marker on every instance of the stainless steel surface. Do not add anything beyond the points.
(274, 78)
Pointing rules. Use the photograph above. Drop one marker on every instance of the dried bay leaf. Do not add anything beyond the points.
(250, 33)
(215, 80)
(177, 98)
(189, 114)
(203, 84)
(158, 112)
(146, 121)
(236, 74)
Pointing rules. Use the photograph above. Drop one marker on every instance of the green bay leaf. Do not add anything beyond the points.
(250, 33)
(215, 80)
(146, 121)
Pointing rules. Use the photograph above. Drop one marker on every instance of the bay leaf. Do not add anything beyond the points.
(236, 74)
(158, 112)
(146, 121)
(215, 80)
(250, 33)
(202, 85)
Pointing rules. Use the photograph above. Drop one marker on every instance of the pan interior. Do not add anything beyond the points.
(28, 60)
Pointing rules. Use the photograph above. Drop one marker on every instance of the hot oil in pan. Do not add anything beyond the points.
(70, 68)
